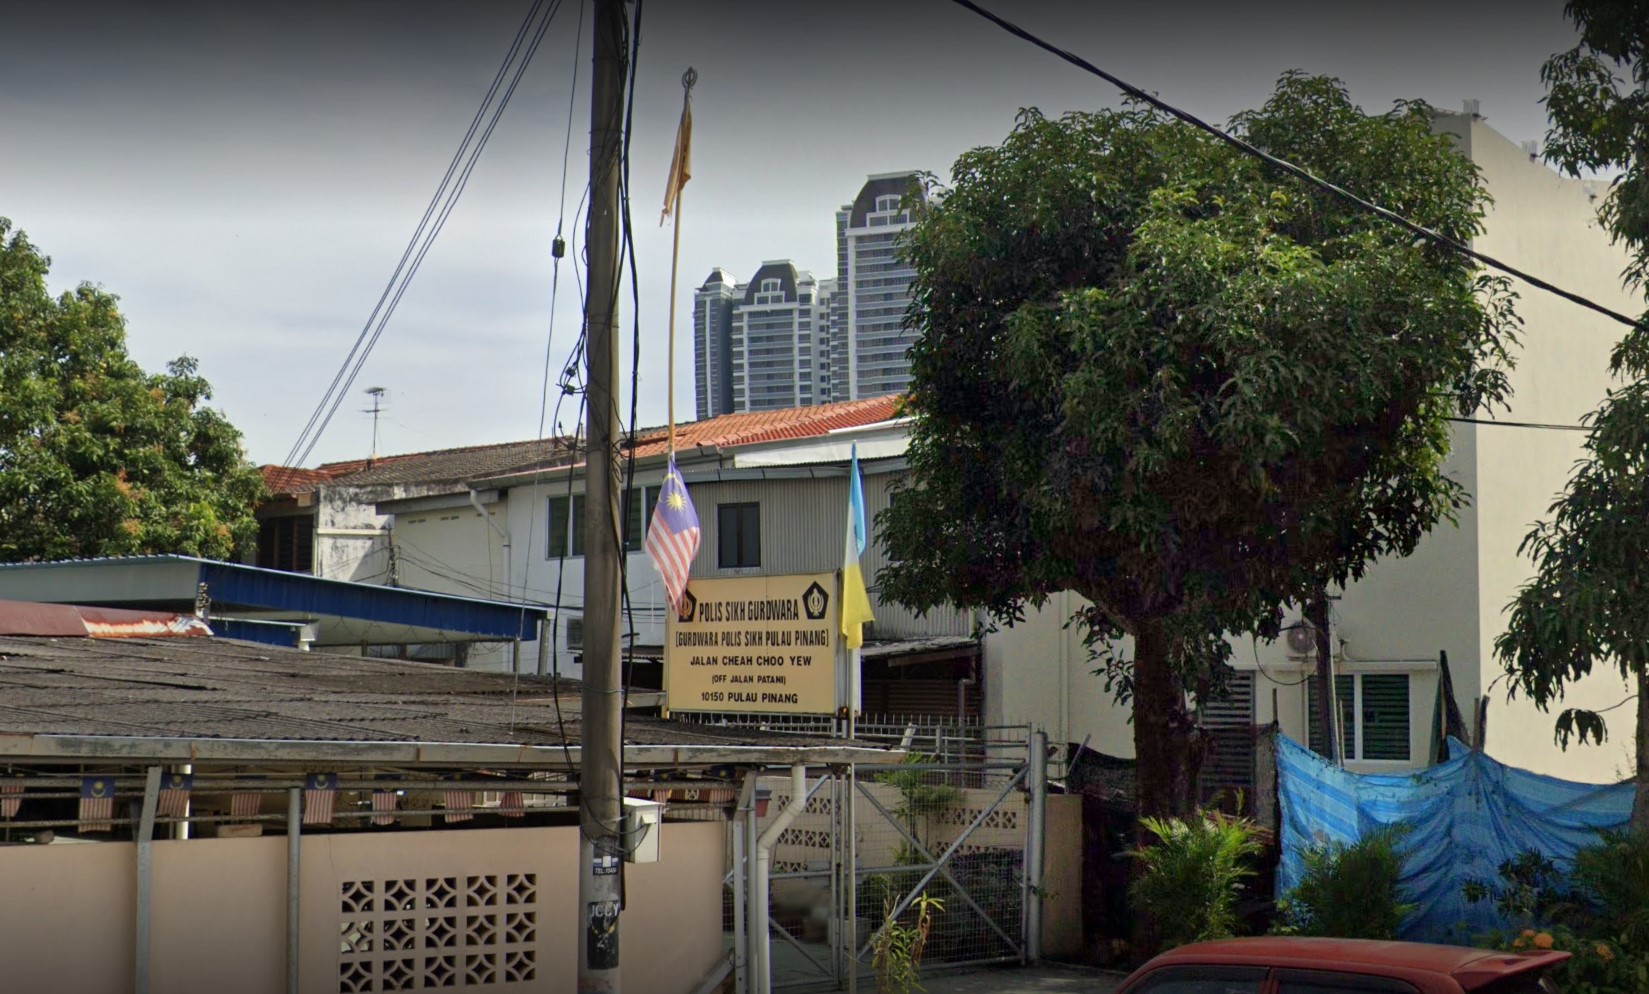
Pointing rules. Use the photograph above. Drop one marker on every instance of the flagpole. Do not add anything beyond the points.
(688, 78)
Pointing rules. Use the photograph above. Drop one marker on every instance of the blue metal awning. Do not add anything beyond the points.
(341, 612)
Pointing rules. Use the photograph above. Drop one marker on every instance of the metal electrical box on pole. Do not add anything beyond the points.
(601, 814)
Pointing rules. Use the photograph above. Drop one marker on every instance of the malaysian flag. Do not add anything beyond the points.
(319, 792)
(511, 803)
(459, 803)
(97, 803)
(11, 800)
(174, 795)
(246, 803)
(673, 535)
(383, 807)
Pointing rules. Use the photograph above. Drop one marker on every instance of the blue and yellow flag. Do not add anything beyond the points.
(855, 598)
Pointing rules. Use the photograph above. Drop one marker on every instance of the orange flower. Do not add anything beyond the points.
(1543, 940)
(1528, 933)
(1520, 943)
(1604, 953)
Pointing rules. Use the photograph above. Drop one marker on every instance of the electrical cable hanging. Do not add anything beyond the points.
(1299, 172)
(374, 329)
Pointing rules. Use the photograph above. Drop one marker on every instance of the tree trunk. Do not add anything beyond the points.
(1640, 796)
(1166, 748)
(1328, 702)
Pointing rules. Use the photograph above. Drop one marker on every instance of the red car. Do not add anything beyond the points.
(1281, 965)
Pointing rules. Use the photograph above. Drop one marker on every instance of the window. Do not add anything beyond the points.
(638, 515)
(887, 203)
(738, 536)
(566, 527)
(1373, 712)
(1204, 980)
(1327, 982)
(287, 544)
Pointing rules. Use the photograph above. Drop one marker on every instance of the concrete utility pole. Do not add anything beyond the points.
(601, 759)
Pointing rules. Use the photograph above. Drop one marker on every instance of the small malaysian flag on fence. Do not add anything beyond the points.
(11, 800)
(245, 804)
(459, 804)
(174, 795)
(511, 803)
(97, 804)
(384, 802)
(320, 791)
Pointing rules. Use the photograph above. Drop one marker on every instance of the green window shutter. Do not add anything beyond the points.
(1385, 716)
(1345, 690)
(557, 528)
(632, 520)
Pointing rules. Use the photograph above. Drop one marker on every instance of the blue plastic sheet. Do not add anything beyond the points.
(1466, 817)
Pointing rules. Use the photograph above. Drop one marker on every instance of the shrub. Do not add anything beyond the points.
(1614, 877)
(1349, 891)
(1192, 875)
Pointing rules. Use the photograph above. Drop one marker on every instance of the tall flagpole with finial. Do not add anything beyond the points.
(681, 171)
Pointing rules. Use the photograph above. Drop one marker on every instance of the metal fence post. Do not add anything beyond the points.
(294, 850)
(1035, 839)
(145, 878)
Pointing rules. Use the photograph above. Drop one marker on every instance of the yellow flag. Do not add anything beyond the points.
(681, 166)
(856, 611)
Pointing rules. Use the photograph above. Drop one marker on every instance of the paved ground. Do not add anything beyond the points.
(1048, 979)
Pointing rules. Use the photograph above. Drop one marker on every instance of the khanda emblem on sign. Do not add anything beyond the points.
(814, 602)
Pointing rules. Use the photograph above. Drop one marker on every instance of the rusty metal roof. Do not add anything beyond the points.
(190, 692)
(73, 621)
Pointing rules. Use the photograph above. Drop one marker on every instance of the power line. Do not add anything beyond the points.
(1297, 171)
(1519, 424)
(424, 236)
(429, 210)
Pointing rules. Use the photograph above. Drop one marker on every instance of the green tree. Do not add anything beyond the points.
(1157, 373)
(97, 457)
(1588, 605)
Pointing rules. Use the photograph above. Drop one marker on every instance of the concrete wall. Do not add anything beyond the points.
(219, 910)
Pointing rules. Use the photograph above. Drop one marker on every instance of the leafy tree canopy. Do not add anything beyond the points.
(97, 457)
(1157, 373)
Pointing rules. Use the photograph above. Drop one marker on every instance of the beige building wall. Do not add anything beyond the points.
(487, 900)
(1545, 224)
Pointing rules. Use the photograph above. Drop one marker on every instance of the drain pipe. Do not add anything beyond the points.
(759, 898)
(504, 537)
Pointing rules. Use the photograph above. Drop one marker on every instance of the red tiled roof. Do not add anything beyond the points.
(287, 480)
(772, 426)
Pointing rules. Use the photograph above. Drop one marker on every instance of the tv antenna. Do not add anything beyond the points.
(377, 394)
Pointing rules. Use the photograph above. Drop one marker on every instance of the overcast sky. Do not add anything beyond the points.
(245, 177)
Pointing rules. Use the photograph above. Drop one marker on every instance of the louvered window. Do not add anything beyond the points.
(1374, 716)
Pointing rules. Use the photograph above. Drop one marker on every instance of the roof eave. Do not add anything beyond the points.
(144, 749)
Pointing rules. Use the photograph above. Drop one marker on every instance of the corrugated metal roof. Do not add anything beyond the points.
(216, 688)
(28, 618)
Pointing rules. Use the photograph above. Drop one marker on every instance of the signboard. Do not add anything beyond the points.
(758, 643)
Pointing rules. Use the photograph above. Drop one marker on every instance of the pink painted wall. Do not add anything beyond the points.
(219, 912)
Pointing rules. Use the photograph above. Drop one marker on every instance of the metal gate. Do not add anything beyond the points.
(968, 833)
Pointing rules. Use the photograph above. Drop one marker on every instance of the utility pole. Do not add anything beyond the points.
(601, 756)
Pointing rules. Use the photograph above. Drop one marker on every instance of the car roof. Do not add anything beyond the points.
(1470, 968)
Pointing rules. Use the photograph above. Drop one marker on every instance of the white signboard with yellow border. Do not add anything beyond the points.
(754, 643)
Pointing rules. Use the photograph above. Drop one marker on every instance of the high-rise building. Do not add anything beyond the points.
(780, 340)
(786, 339)
(713, 305)
(869, 340)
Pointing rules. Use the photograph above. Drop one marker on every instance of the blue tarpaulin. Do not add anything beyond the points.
(1465, 816)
